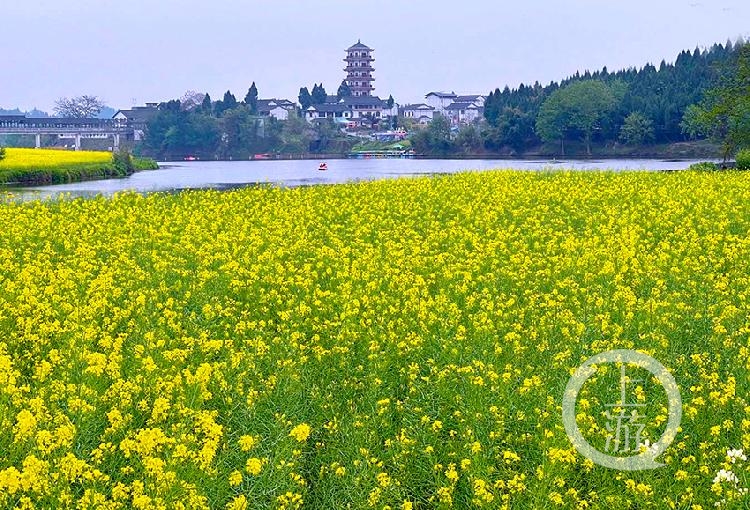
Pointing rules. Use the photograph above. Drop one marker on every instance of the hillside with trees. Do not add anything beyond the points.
(627, 108)
(724, 112)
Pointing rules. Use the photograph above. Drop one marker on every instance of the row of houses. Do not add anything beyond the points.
(456, 108)
(139, 116)
(353, 111)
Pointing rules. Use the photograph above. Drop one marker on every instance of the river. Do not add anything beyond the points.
(235, 174)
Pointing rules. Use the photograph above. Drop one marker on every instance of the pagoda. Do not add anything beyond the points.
(359, 70)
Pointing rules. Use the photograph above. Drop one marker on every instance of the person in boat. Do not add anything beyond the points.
(323, 166)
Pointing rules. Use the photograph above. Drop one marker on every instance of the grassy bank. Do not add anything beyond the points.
(700, 149)
(400, 343)
(38, 166)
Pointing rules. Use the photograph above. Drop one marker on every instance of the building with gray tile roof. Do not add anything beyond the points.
(359, 70)
(359, 46)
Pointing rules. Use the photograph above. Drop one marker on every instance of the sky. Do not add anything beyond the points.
(136, 51)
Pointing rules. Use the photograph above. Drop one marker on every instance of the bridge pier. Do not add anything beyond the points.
(68, 129)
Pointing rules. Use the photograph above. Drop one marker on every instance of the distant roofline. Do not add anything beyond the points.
(417, 106)
(359, 46)
(463, 106)
(466, 96)
(441, 94)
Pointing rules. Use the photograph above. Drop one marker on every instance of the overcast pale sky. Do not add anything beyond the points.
(135, 51)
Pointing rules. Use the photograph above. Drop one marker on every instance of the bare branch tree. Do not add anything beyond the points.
(78, 107)
(191, 100)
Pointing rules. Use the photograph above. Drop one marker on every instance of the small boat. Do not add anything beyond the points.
(323, 167)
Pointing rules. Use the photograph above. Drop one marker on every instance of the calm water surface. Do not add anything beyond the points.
(235, 174)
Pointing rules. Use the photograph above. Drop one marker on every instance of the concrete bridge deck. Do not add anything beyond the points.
(74, 128)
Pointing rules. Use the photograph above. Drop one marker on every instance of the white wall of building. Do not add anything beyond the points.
(464, 116)
(439, 103)
(416, 113)
(470, 115)
(390, 112)
(279, 113)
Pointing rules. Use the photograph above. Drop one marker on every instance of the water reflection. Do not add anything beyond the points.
(234, 174)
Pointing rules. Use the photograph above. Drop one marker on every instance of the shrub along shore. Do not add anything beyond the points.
(36, 166)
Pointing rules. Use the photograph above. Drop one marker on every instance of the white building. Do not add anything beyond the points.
(279, 109)
(478, 99)
(353, 109)
(137, 118)
(421, 112)
(365, 106)
(462, 109)
(389, 112)
(440, 100)
(338, 112)
(463, 113)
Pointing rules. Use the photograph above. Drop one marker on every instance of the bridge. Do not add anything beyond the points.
(65, 127)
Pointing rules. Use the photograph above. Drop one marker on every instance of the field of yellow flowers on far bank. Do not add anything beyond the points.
(399, 344)
(34, 166)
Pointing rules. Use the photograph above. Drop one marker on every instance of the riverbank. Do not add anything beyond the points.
(678, 151)
(692, 150)
(698, 149)
(27, 167)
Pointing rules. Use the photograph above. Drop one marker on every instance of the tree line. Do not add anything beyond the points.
(703, 94)
(628, 107)
(228, 128)
(724, 112)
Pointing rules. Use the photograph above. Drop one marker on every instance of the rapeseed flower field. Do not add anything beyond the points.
(48, 165)
(400, 344)
(45, 158)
